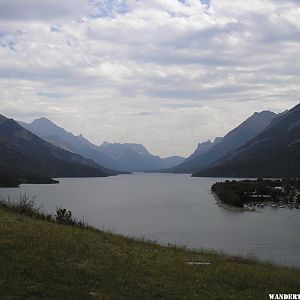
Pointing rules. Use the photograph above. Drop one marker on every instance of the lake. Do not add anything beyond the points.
(173, 208)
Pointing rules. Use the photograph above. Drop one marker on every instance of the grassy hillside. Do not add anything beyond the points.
(44, 260)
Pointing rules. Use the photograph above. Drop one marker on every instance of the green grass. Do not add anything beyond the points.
(43, 260)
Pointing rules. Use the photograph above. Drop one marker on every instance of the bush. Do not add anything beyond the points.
(23, 205)
(62, 216)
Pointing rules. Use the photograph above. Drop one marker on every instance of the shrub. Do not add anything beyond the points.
(63, 216)
(23, 205)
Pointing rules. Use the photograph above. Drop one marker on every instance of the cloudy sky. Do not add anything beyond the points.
(165, 73)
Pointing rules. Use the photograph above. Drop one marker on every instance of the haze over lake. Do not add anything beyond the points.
(175, 209)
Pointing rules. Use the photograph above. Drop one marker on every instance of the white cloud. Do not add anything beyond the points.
(168, 74)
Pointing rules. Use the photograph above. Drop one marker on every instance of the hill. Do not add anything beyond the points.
(275, 152)
(231, 141)
(44, 260)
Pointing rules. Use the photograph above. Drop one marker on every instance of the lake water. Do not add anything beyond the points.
(175, 209)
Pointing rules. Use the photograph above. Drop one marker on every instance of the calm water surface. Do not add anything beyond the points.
(174, 209)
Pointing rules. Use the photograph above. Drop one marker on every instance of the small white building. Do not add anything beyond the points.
(280, 188)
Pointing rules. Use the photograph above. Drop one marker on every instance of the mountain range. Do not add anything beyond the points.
(28, 158)
(136, 158)
(274, 152)
(208, 153)
(126, 157)
(59, 137)
(264, 145)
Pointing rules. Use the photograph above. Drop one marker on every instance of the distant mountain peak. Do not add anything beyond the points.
(120, 148)
(201, 148)
(261, 114)
(45, 123)
(256, 122)
(42, 120)
(264, 112)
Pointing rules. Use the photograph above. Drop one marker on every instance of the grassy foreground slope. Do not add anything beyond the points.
(44, 260)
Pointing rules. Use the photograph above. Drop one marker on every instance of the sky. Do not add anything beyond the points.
(165, 73)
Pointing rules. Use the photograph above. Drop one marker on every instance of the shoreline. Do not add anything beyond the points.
(219, 203)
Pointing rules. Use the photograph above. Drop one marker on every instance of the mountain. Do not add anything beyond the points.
(172, 161)
(136, 158)
(122, 157)
(203, 147)
(27, 157)
(116, 150)
(275, 152)
(59, 137)
(233, 140)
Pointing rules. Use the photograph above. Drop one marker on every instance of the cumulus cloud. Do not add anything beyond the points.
(165, 73)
